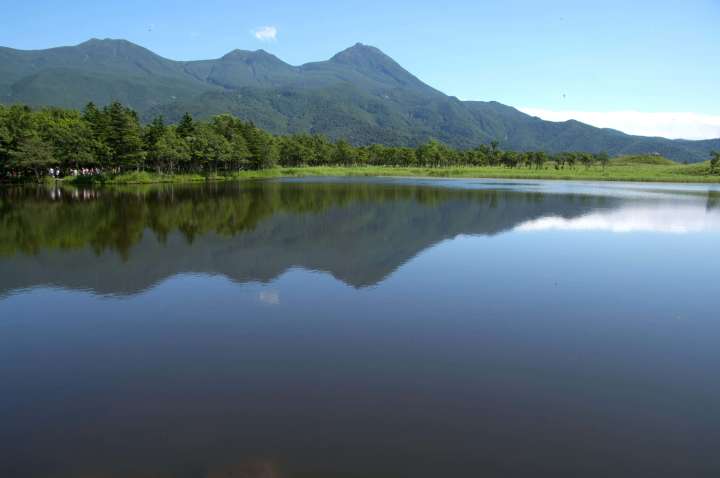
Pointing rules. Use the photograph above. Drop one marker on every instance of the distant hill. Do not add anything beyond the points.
(359, 94)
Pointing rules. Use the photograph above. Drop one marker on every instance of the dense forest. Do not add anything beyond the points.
(112, 140)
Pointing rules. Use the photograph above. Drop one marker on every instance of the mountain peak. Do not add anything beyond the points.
(362, 46)
(237, 54)
(360, 53)
(373, 63)
(107, 42)
(110, 47)
(252, 56)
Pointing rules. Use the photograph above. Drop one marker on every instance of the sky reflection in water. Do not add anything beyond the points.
(347, 327)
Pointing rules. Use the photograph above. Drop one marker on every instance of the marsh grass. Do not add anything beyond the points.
(627, 168)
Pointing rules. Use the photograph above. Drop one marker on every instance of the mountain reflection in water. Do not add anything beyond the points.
(125, 240)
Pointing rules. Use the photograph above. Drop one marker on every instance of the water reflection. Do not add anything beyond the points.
(125, 240)
(198, 331)
(660, 218)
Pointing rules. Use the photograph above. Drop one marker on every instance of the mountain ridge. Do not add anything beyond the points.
(359, 94)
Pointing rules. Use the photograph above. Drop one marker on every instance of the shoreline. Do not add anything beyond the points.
(638, 174)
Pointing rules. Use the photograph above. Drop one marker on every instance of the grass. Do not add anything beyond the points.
(627, 168)
(144, 177)
(642, 160)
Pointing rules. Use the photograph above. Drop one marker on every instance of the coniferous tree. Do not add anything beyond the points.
(123, 137)
(151, 135)
(186, 127)
(263, 151)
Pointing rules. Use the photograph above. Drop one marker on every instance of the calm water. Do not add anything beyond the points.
(360, 328)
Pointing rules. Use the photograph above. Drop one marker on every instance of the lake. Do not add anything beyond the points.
(337, 328)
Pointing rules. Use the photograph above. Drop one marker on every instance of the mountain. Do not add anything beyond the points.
(96, 70)
(359, 94)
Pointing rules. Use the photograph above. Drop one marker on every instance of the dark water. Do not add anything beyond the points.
(360, 328)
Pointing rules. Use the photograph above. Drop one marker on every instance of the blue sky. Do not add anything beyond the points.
(597, 61)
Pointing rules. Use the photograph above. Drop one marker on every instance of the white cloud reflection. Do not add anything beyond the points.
(671, 220)
(270, 297)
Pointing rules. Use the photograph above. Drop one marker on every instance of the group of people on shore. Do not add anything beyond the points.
(59, 173)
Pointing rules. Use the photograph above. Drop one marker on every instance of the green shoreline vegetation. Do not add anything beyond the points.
(110, 146)
(629, 172)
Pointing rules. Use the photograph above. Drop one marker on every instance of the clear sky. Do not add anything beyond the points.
(631, 64)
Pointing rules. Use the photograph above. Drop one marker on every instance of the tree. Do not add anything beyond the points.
(481, 155)
(715, 162)
(171, 151)
(35, 155)
(70, 135)
(405, 156)
(494, 153)
(433, 154)
(239, 152)
(4, 143)
(20, 124)
(263, 150)
(154, 131)
(527, 159)
(603, 158)
(218, 153)
(226, 125)
(344, 153)
(123, 137)
(151, 135)
(539, 158)
(293, 152)
(186, 127)
(98, 122)
(509, 159)
(572, 159)
(93, 116)
(561, 160)
(587, 159)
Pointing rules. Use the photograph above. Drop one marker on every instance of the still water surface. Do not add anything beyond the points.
(341, 328)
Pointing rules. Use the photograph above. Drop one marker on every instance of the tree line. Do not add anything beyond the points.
(111, 140)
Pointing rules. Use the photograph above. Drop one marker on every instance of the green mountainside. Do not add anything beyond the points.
(360, 94)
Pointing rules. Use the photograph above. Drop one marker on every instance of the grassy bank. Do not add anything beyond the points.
(154, 178)
(643, 169)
